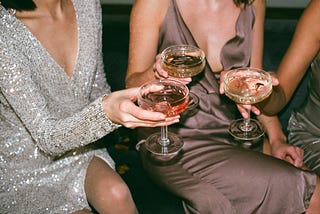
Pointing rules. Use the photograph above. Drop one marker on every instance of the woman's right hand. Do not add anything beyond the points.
(159, 73)
(120, 108)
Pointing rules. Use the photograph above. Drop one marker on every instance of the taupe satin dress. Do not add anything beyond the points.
(304, 127)
(213, 175)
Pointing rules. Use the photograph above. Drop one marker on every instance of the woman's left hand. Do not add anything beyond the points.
(243, 108)
(289, 153)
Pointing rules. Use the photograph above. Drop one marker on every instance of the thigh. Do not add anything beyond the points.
(235, 178)
(101, 179)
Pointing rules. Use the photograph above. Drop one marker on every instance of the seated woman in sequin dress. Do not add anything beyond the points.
(213, 175)
(55, 104)
(304, 50)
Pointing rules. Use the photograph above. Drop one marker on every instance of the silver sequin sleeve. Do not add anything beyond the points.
(54, 129)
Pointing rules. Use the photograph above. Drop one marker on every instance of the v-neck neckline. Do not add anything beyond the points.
(49, 56)
(194, 39)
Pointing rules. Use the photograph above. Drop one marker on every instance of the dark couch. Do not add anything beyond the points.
(149, 198)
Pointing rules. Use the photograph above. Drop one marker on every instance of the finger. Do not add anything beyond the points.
(160, 70)
(162, 73)
(146, 115)
(295, 158)
(275, 80)
(221, 88)
(255, 110)
(183, 80)
(134, 123)
(289, 159)
(243, 111)
(300, 151)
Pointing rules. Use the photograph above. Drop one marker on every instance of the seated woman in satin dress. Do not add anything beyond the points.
(213, 174)
(55, 106)
(304, 124)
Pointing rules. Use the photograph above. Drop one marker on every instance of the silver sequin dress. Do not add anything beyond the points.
(45, 116)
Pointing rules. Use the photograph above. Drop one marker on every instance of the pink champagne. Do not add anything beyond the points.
(171, 100)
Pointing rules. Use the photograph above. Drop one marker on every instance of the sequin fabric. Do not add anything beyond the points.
(49, 120)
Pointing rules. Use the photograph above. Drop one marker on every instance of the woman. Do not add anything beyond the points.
(213, 175)
(55, 105)
(304, 50)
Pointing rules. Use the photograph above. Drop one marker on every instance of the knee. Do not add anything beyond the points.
(120, 192)
(115, 198)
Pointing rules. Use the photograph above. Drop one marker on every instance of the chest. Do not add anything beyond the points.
(58, 36)
(212, 28)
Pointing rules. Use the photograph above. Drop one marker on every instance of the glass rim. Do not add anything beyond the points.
(157, 81)
(181, 48)
(265, 73)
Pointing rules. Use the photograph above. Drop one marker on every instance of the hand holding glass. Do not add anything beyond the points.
(247, 86)
(171, 98)
(182, 61)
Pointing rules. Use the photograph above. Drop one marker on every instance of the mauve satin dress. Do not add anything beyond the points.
(213, 175)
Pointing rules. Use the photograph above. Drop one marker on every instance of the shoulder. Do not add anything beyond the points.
(84, 7)
(150, 10)
(307, 24)
(11, 30)
(259, 5)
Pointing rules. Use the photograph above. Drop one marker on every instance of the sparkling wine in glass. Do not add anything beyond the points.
(171, 98)
(247, 86)
(182, 61)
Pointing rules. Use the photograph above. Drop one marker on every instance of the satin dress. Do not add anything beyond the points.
(304, 123)
(212, 174)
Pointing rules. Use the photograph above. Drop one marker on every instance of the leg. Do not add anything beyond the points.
(221, 178)
(106, 191)
(314, 206)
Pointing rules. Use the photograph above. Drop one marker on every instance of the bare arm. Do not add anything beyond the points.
(303, 49)
(276, 137)
(145, 21)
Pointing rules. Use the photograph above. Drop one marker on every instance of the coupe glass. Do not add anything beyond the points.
(247, 86)
(171, 98)
(182, 61)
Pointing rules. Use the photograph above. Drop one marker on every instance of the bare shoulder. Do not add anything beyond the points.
(259, 4)
(153, 8)
(309, 18)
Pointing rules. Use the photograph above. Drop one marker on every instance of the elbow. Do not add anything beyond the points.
(52, 148)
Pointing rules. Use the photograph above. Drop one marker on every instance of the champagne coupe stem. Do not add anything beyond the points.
(164, 141)
(247, 126)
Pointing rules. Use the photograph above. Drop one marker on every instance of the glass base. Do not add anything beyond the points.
(174, 144)
(240, 131)
(192, 108)
(193, 101)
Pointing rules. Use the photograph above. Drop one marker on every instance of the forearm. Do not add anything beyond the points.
(136, 79)
(273, 129)
(274, 103)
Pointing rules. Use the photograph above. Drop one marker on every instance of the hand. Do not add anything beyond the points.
(289, 153)
(241, 107)
(120, 108)
(159, 73)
